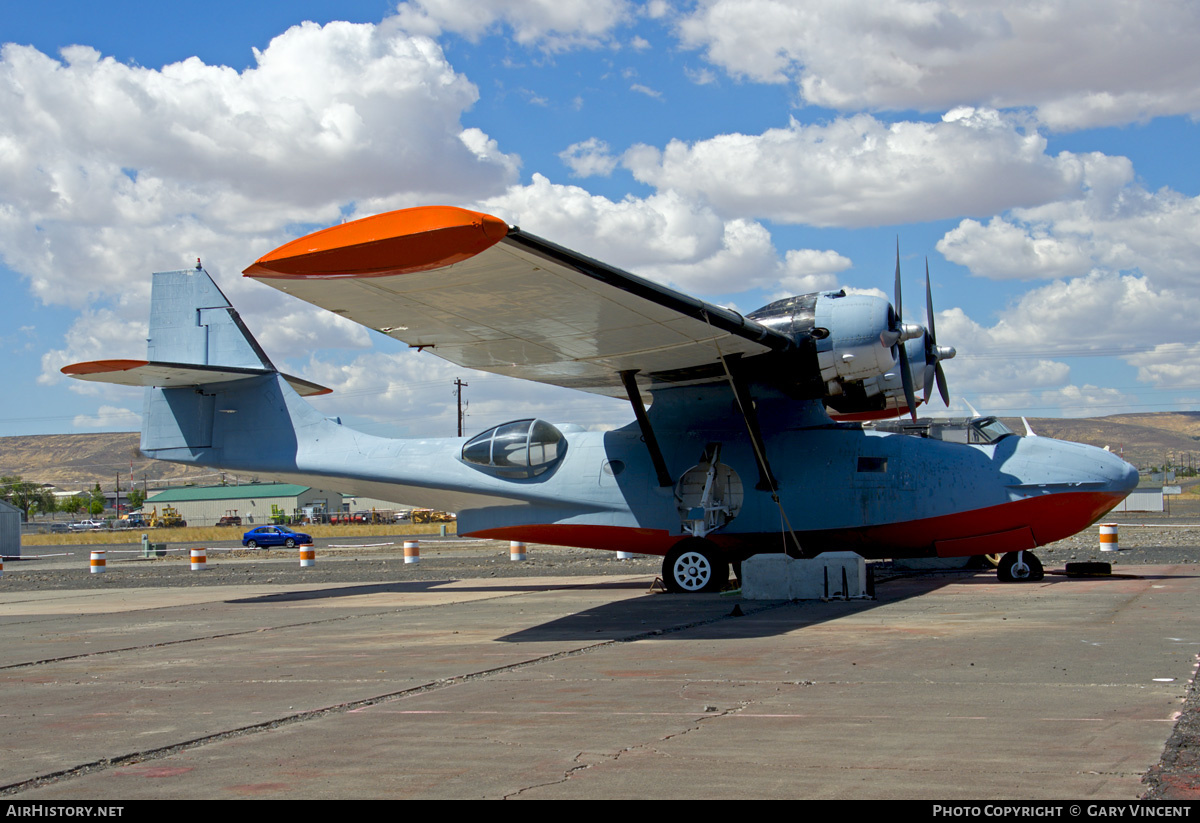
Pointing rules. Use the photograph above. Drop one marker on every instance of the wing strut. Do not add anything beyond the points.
(766, 479)
(643, 421)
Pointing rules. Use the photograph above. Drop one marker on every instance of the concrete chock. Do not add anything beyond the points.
(779, 577)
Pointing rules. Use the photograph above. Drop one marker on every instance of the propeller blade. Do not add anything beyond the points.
(941, 383)
(928, 378)
(929, 306)
(899, 308)
(933, 353)
(906, 378)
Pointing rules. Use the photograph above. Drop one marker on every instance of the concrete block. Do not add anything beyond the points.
(779, 577)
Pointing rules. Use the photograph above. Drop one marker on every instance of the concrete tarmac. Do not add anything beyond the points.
(948, 686)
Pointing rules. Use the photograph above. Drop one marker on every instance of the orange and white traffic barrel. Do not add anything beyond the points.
(516, 550)
(308, 555)
(412, 551)
(199, 559)
(1108, 538)
(97, 562)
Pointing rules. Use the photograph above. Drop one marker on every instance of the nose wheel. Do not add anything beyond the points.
(1019, 567)
(695, 565)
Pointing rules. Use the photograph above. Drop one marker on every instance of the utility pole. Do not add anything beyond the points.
(459, 385)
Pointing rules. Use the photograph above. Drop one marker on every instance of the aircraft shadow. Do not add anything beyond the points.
(667, 616)
(416, 586)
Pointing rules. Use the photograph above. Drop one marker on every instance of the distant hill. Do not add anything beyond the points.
(82, 460)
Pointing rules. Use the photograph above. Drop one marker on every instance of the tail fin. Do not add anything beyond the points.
(197, 338)
(198, 347)
(191, 321)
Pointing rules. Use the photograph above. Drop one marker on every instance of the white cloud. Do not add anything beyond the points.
(109, 417)
(1169, 365)
(860, 171)
(589, 158)
(108, 171)
(552, 25)
(1080, 64)
(646, 90)
(1116, 226)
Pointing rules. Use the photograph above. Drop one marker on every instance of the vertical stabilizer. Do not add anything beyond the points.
(191, 321)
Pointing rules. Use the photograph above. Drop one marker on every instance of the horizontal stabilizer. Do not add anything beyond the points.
(175, 375)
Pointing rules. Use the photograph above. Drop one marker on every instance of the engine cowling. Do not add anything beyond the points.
(856, 340)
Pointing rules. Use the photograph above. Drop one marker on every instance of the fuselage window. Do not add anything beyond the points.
(520, 449)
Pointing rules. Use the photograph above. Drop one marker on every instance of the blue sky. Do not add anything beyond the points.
(1042, 156)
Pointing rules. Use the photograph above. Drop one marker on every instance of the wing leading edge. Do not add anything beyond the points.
(486, 296)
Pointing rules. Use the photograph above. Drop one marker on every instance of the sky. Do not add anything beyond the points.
(1042, 156)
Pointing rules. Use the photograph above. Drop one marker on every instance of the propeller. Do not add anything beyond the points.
(934, 354)
(902, 334)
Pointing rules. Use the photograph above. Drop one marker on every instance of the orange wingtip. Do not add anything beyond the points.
(102, 366)
(396, 242)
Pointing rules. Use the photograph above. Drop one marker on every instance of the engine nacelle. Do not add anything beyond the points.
(856, 340)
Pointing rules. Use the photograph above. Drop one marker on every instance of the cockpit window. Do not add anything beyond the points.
(987, 430)
(522, 448)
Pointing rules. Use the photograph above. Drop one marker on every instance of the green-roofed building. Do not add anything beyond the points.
(205, 505)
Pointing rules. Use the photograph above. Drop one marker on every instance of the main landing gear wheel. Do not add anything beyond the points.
(1019, 567)
(695, 565)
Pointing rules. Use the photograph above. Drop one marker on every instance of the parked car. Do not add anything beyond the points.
(88, 526)
(267, 536)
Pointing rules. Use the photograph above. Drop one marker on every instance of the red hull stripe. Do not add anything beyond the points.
(1014, 526)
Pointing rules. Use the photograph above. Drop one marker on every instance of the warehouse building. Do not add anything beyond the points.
(255, 503)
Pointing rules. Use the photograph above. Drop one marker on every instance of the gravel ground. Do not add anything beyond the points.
(1145, 539)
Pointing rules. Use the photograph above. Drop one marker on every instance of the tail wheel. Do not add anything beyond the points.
(695, 565)
(1019, 567)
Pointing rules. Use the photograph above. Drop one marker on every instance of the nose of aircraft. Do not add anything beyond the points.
(1060, 462)
(1080, 483)
(1122, 478)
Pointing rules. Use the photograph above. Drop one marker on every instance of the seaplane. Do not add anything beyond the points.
(782, 430)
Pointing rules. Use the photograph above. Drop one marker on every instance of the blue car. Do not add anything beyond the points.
(267, 536)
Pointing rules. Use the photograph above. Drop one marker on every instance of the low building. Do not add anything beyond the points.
(1147, 497)
(255, 503)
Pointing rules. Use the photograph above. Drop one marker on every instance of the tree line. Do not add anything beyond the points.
(33, 497)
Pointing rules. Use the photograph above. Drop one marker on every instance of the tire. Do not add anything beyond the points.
(290, 543)
(1010, 571)
(695, 565)
(251, 544)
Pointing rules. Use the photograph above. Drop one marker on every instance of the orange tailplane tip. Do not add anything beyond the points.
(102, 366)
(396, 242)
